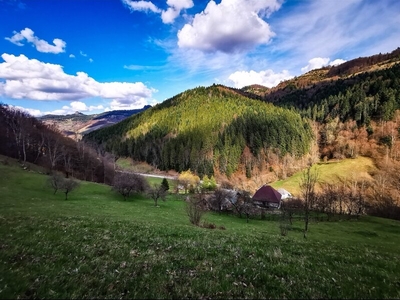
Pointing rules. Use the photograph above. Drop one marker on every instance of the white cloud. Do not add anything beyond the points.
(316, 63)
(81, 106)
(141, 6)
(65, 110)
(174, 9)
(230, 26)
(82, 53)
(91, 60)
(72, 56)
(31, 111)
(266, 78)
(167, 16)
(337, 62)
(41, 45)
(319, 62)
(25, 78)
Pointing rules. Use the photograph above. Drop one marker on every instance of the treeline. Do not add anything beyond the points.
(364, 97)
(29, 140)
(207, 130)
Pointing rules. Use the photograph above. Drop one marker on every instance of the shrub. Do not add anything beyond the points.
(194, 211)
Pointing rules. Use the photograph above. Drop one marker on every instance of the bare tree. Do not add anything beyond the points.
(53, 145)
(58, 182)
(157, 192)
(289, 207)
(307, 186)
(69, 185)
(248, 207)
(220, 197)
(194, 209)
(21, 125)
(55, 181)
(127, 183)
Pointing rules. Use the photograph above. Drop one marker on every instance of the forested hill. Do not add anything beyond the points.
(207, 130)
(362, 89)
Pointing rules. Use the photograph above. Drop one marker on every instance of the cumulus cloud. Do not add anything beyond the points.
(174, 9)
(229, 26)
(315, 63)
(82, 53)
(266, 78)
(33, 112)
(319, 62)
(24, 78)
(167, 16)
(337, 62)
(28, 35)
(72, 56)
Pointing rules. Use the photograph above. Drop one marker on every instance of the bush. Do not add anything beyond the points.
(127, 183)
(55, 181)
(58, 182)
(194, 211)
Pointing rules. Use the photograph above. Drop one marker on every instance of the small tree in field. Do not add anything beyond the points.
(188, 180)
(157, 192)
(58, 182)
(209, 183)
(165, 184)
(127, 183)
(194, 210)
(307, 186)
(69, 185)
(55, 181)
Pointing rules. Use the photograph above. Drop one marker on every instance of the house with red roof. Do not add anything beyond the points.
(267, 197)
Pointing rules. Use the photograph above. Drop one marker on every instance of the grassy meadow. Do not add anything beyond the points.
(96, 245)
(350, 169)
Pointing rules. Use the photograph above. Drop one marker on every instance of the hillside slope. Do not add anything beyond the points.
(208, 130)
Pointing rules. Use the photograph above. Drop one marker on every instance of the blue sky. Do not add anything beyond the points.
(61, 56)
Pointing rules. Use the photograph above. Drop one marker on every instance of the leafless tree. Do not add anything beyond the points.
(53, 145)
(248, 208)
(69, 185)
(307, 186)
(157, 192)
(194, 209)
(55, 181)
(289, 207)
(127, 183)
(219, 198)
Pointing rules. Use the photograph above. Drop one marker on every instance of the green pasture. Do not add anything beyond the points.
(96, 245)
(349, 169)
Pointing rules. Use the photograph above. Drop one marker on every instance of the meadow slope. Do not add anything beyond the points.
(96, 245)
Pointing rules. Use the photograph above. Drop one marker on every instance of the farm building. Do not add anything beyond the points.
(285, 194)
(268, 197)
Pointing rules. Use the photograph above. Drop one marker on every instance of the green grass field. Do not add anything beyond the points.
(357, 168)
(95, 245)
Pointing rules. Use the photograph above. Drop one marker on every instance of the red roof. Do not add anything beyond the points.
(267, 193)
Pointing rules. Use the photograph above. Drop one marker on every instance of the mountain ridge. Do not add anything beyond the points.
(77, 124)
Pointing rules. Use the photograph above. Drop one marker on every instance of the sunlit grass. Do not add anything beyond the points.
(96, 245)
(351, 169)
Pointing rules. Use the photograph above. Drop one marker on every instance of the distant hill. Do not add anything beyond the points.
(208, 129)
(77, 124)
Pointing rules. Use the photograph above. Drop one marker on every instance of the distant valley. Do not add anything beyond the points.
(77, 124)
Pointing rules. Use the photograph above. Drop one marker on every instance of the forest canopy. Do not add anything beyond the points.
(206, 129)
